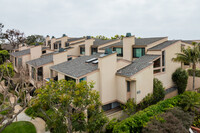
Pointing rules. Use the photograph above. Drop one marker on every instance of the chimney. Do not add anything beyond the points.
(60, 56)
(47, 39)
(88, 43)
(63, 40)
(128, 43)
(36, 52)
(53, 40)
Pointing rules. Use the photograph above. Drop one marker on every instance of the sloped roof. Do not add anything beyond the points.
(137, 65)
(21, 53)
(163, 45)
(45, 59)
(99, 42)
(76, 67)
(74, 39)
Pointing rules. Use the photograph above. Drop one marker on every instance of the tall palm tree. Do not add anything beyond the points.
(190, 55)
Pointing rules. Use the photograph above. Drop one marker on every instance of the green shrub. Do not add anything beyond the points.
(180, 78)
(111, 124)
(136, 122)
(158, 90)
(146, 102)
(196, 122)
(130, 107)
(197, 72)
(174, 120)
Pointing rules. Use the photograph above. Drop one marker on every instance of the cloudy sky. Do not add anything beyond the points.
(177, 19)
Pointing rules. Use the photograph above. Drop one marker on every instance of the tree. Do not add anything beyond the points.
(190, 101)
(180, 78)
(173, 121)
(189, 56)
(118, 37)
(158, 91)
(15, 93)
(130, 107)
(64, 106)
(4, 55)
(35, 39)
(14, 37)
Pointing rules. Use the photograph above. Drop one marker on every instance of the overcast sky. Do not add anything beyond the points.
(177, 19)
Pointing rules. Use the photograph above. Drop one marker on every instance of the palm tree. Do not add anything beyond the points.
(189, 56)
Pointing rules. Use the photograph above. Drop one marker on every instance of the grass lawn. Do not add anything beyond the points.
(20, 127)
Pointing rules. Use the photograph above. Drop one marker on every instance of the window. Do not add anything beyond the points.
(156, 71)
(138, 52)
(82, 50)
(119, 51)
(33, 73)
(82, 79)
(66, 44)
(70, 58)
(15, 61)
(110, 106)
(55, 46)
(69, 78)
(59, 45)
(94, 51)
(156, 63)
(43, 52)
(128, 86)
(163, 58)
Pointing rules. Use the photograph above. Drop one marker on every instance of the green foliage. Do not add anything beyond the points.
(174, 120)
(180, 78)
(130, 107)
(197, 72)
(61, 101)
(4, 55)
(190, 101)
(20, 127)
(136, 122)
(35, 39)
(111, 124)
(146, 102)
(158, 91)
(7, 70)
(196, 122)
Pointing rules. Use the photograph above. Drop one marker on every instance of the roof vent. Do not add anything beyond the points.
(95, 62)
(108, 51)
(64, 35)
(128, 34)
(47, 35)
(88, 37)
(52, 37)
(90, 60)
(61, 50)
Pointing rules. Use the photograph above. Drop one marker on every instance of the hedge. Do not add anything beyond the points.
(136, 122)
(197, 72)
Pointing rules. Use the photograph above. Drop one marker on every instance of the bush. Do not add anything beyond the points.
(196, 122)
(136, 122)
(111, 124)
(130, 107)
(146, 102)
(180, 78)
(197, 72)
(158, 90)
(174, 120)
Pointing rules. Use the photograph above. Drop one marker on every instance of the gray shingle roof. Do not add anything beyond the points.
(45, 59)
(21, 53)
(76, 67)
(163, 45)
(74, 39)
(99, 42)
(138, 41)
(188, 41)
(77, 42)
(137, 65)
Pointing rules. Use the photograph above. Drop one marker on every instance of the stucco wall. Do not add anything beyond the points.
(144, 83)
(190, 83)
(108, 68)
(60, 57)
(25, 58)
(170, 66)
(121, 89)
(61, 76)
(36, 52)
(88, 44)
(128, 42)
(46, 70)
(122, 63)
(94, 77)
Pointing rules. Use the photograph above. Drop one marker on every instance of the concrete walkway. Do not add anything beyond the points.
(37, 122)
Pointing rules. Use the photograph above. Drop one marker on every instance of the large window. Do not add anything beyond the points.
(66, 44)
(82, 79)
(128, 86)
(119, 51)
(138, 52)
(69, 78)
(55, 46)
(33, 72)
(15, 61)
(82, 50)
(110, 106)
(59, 45)
(163, 61)
(94, 51)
